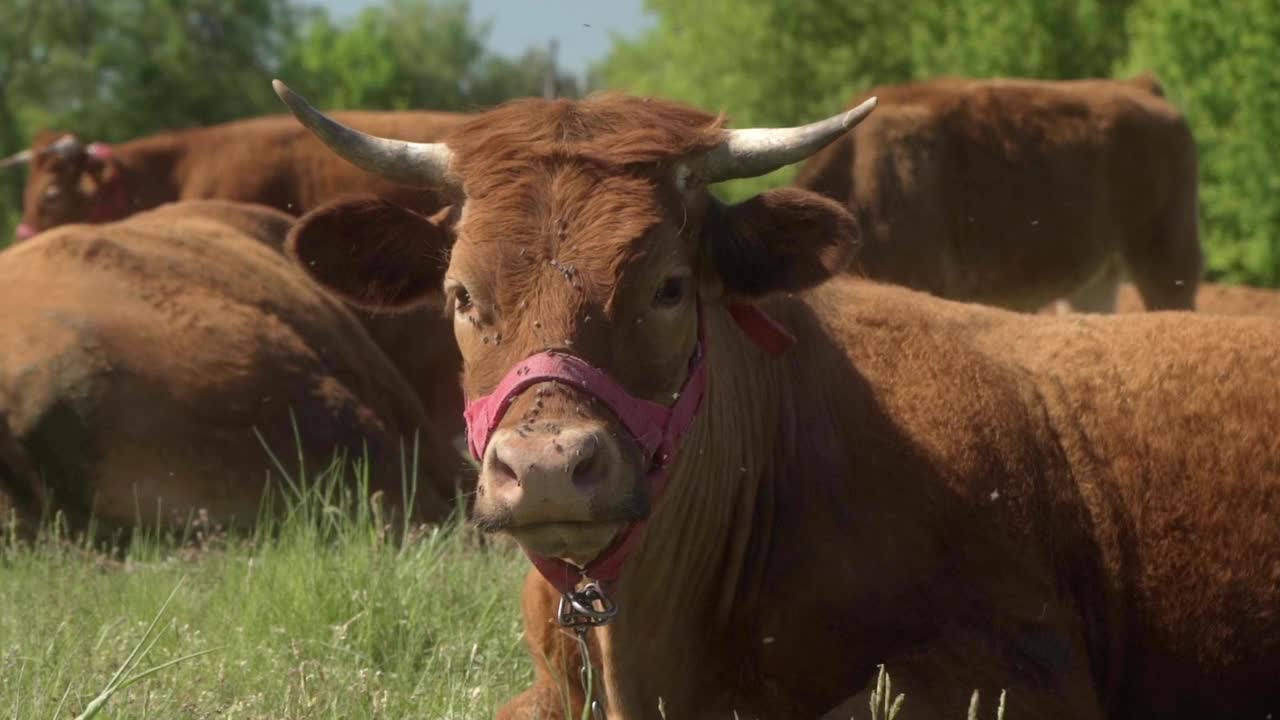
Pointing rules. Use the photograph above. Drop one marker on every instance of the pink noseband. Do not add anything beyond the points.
(24, 231)
(657, 429)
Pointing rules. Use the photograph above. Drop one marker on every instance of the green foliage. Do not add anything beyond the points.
(116, 69)
(1220, 62)
(790, 61)
(410, 54)
(1023, 38)
(405, 54)
(769, 62)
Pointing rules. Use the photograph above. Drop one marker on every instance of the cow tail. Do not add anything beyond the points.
(21, 491)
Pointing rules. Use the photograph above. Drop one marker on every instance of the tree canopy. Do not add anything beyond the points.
(116, 69)
(790, 61)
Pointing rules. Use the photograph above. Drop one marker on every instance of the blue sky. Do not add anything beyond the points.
(582, 26)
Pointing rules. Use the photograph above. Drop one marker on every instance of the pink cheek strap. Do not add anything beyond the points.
(657, 429)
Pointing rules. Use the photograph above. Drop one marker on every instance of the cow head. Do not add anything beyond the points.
(581, 238)
(65, 180)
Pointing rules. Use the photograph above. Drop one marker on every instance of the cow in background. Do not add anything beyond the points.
(267, 160)
(1016, 192)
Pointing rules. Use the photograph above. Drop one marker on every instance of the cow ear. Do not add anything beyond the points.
(783, 240)
(372, 253)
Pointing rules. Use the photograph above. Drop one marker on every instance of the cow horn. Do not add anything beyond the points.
(16, 159)
(408, 163)
(64, 147)
(756, 151)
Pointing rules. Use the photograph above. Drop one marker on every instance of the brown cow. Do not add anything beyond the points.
(139, 356)
(1017, 192)
(1084, 512)
(267, 160)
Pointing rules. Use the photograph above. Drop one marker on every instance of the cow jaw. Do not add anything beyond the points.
(556, 479)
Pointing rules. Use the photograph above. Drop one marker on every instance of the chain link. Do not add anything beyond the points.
(580, 611)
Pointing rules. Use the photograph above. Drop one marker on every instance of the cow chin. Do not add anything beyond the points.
(577, 543)
(577, 537)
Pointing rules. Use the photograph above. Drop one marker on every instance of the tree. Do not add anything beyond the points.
(498, 78)
(405, 54)
(410, 54)
(113, 69)
(116, 69)
(789, 61)
(1219, 63)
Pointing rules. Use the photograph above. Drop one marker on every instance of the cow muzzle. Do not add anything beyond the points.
(569, 491)
(562, 488)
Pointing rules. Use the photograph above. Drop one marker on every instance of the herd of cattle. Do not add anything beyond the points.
(849, 422)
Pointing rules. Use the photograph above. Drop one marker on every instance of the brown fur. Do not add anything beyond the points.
(270, 160)
(273, 161)
(1082, 511)
(1018, 192)
(140, 356)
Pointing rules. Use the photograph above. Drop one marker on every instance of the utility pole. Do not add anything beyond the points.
(550, 77)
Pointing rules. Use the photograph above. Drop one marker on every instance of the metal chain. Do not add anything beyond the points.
(581, 610)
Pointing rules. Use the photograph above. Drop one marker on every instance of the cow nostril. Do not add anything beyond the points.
(587, 469)
(502, 472)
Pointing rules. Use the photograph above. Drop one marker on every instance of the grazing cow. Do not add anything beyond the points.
(1084, 512)
(267, 160)
(1018, 192)
(139, 357)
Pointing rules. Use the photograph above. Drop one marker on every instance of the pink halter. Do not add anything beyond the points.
(656, 428)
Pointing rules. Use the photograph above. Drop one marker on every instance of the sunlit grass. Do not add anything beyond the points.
(323, 613)
(327, 610)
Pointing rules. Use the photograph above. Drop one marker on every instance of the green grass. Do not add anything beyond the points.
(324, 611)
(319, 615)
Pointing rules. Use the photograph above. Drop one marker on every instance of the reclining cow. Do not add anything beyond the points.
(1084, 512)
(267, 160)
(141, 357)
(1018, 192)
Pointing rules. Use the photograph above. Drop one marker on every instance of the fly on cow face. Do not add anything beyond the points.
(583, 263)
(579, 262)
(581, 229)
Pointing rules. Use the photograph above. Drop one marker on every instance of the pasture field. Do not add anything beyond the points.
(321, 615)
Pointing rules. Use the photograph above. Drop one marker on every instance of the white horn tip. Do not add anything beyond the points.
(280, 88)
(859, 113)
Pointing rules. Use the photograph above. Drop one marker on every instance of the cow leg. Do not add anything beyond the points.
(1099, 294)
(939, 683)
(556, 693)
(1166, 267)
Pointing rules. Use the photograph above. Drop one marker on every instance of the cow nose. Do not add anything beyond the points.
(24, 232)
(570, 458)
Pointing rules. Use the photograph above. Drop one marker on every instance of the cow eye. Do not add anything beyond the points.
(461, 299)
(671, 292)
